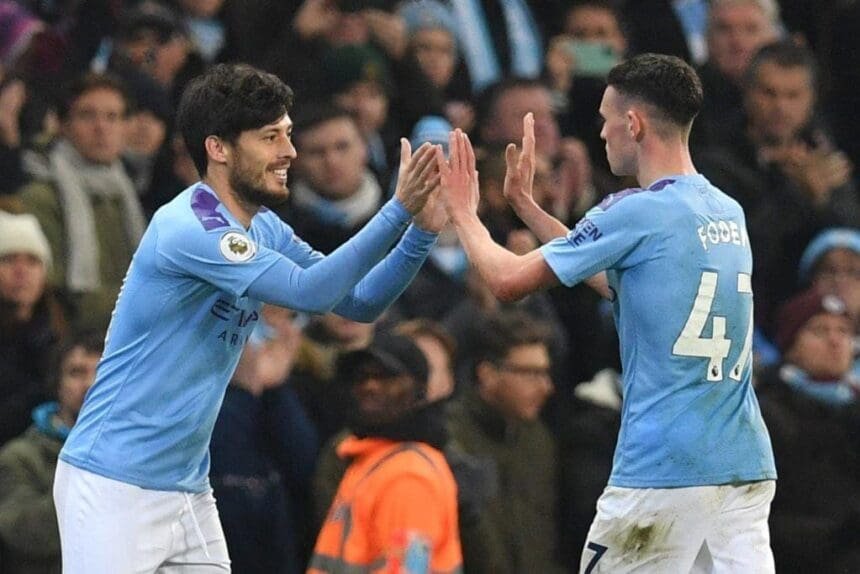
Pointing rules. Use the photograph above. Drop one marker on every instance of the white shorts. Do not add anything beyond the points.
(111, 527)
(697, 529)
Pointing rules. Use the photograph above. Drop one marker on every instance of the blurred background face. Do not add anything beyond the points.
(96, 125)
(77, 375)
(521, 384)
(380, 397)
(368, 103)
(345, 333)
(440, 383)
(333, 158)
(436, 54)
(595, 24)
(145, 133)
(824, 347)
(838, 273)
(506, 123)
(22, 279)
(735, 33)
(779, 103)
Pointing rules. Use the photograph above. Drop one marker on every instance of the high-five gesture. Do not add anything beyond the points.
(520, 168)
(418, 175)
(459, 177)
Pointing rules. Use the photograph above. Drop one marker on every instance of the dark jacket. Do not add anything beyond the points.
(523, 515)
(815, 516)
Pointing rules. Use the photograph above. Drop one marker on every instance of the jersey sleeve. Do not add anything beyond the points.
(609, 236)
(227, 258)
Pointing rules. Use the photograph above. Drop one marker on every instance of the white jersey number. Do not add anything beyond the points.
(691, 343)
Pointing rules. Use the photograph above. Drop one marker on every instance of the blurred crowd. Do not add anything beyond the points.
(522, 399)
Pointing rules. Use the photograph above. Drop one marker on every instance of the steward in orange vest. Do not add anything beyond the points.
(395, 511)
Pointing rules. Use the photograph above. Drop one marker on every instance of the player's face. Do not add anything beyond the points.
(334, 158)
(735, 33)
(620, 146)
(779, 102)
(77, 375)
(259, 162)
(96, 125)
(380, 397)
(824, 347)
(523, 382)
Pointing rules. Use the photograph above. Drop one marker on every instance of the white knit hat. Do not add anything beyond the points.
(23, 234)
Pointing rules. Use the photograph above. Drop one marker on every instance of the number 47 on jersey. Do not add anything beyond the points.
(715, 349)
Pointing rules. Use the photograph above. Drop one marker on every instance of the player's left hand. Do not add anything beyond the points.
(460, 189)
(418, 175)
(520, 168)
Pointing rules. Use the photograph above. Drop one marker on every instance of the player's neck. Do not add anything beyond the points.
(243, 211)
(660, 160)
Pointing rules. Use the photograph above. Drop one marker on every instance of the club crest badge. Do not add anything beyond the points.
(237, 247)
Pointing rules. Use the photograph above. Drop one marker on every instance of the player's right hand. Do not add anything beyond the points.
(418, 175)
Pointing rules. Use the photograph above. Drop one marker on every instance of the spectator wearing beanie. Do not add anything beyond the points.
(30, 321)
(810, 406)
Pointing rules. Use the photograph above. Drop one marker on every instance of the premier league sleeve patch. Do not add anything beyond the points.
(237, 247)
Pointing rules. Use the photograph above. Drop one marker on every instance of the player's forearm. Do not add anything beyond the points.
(542, 224)
(389, 278)
(318, 288)
(494, 263)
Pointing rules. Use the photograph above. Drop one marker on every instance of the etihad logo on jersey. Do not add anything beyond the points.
(585, 230)
(722, 232)
(237, 247)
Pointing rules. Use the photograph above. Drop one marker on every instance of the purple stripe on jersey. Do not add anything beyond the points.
(661, 184)
(205, 205)
(614, 198)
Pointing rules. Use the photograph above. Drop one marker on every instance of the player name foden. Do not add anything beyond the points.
(721, 231)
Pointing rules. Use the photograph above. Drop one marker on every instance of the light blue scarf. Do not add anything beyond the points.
(832, 393)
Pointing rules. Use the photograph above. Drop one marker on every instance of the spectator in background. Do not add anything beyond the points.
(737, 29)
(147, 129)
(433, 48)
(31, 322)
(86, 202)
(439, 349)
(335, 192)
(499, 418)
(206, 30)
(781, 161)
(811, 409)
(29, 538)
(831, 265)
(358, 79)
(396, 506)
(672, 27)
(263, 453)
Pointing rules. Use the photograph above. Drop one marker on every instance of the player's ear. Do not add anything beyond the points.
(217, 149)
(635, 124)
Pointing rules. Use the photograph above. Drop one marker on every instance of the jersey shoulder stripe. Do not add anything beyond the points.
(615, 198)
(204, 205)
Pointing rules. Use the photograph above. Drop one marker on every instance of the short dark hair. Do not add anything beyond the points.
(667, 83)
(91, 341)
(226, 101)
(308, 116)
(785, 54)
(506, 330)
(90, 82)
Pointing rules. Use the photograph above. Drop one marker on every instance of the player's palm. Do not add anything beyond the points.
(459, 176)
(520, 168)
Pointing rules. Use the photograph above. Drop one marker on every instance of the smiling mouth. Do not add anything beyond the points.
(281, 173)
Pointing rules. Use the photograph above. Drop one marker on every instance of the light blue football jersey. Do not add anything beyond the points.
(677, 256)
(176, 335)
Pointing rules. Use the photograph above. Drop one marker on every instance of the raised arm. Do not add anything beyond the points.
(519, 184)
(509, 276)
(320, 287)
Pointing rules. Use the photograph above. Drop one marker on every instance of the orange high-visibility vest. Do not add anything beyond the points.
(395, 512)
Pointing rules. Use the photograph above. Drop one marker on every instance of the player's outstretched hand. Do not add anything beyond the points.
(418, 175)
(459, 177)
(434, 216)
(520, 168)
